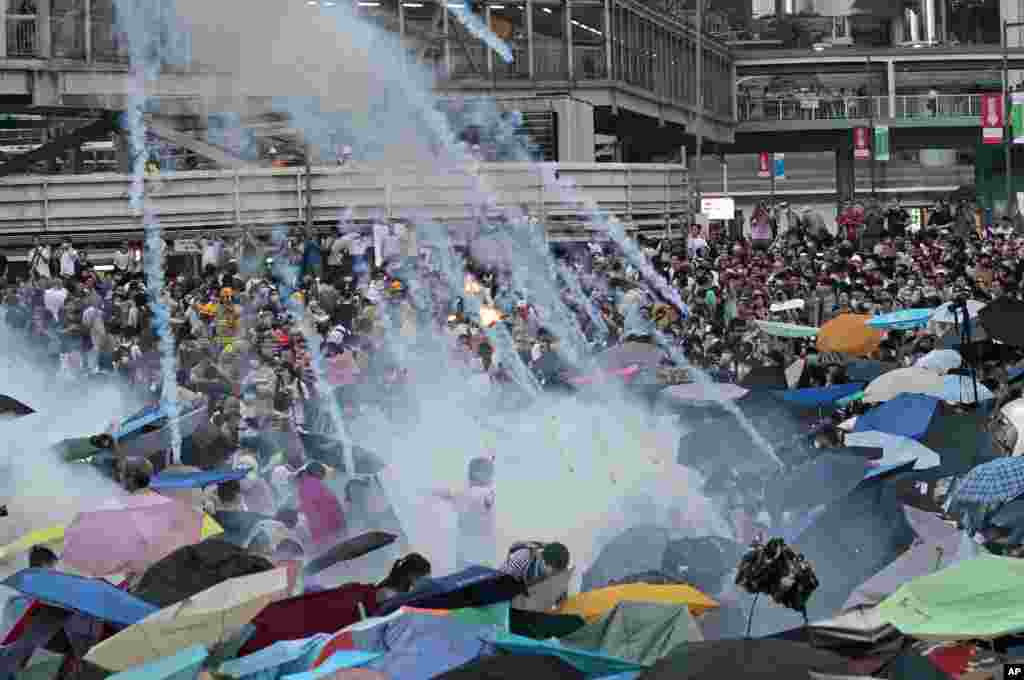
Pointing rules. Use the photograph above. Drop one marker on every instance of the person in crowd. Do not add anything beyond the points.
(39, 557)
(319, 505)
(407, 575)
(476, 514)
(534, 562)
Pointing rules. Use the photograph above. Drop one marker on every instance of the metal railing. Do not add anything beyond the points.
(809, 107)
(22, 36)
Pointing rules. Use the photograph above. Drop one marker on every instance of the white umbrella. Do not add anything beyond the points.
(895, 449)
(948, 313)
(904, 380)
(941, 361)
(795, 372)
(207, 618)
(704, 392)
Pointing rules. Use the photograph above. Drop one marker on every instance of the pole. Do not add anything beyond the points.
(773, 183)
(699, 81)
(1006, 107)
(871, 131)
(725, 175)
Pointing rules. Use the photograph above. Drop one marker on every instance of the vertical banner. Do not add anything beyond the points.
(764, 165)
(861, 144)
(992, 118)
(882, 142)
(780, 166)
(1017, 117)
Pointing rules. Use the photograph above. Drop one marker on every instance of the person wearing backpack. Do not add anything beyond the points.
(532, 561)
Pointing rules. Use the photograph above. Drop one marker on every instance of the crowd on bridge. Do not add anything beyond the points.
(283, 342)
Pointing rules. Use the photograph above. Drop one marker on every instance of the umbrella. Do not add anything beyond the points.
(92, 597)
(786, 330)
(960, 389)
(701, 562)
(920, 560)
(997, 481)
(765, 377)
(981, 351)
(817, 397)
(941, 361)
(34, 632)
(1011, 516)
(542, 625)
(906, 415)
(977, 598)
(896, 450)
(929, 526)
(282, 658)
(641, 632)
(472, 587)
(208, 618)
(787, 306)
(866, 370)
(129, 534)
(795, 372)
(849, 334)
(196, 480)
(637, 549)
(238, 525)
(904, 380)
(745, 660)
(818, 482)
(194, 568)
(949, 312)
(704, 391)
(350, 549)
(12, 407)
(960, 439)
(1002, 321)
(48, 536)
(596, 603)
(953, 338)
(592, 663)
(183, 665)
(514, 667)
(902, 320)
(629, 354)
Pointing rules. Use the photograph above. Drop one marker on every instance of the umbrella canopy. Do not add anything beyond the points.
(641, 632)
(817, 397)
(902, 320)
(866, 370)
(942, 361)
(949, 312)
(596, 603)
(920, 560)
(745, 660)
(594, 664)
(795, 372)
(473, 587)
(978, 598)
(763, 377)
(849, 334)
(238, 525)
(196, 480)
(896, 450)
(960, 389)
(1002, 321)
(904, 381)
(704, 391)
(638, 549)
(643, 354)
(905, 415)
(997, 481)
(183, 665)
(9, 406)
(701, 562)
(48, 536)
(821, 481)
(207, 618)
(515, 667)
(195, 568)
(350, 549)
(786, 330)
(92, 597)
(1011, 517)
(129, 534)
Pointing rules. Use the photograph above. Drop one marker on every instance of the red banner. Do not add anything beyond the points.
(992, 118)
(764, 165)
(861, 144)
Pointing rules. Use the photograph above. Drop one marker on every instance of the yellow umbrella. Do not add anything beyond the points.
(849, 334)
(594, 604)
(53, 535)
(207, 618)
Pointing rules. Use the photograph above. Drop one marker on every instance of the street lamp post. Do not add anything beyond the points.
(1007, 141)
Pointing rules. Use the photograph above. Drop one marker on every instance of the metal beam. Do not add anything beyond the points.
(208, 151)
(98, 128)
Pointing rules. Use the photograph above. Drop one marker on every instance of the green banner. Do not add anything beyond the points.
(882, 142)
(1017, 118)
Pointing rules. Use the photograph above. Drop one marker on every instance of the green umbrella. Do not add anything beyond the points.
(787, 330)
(981, 598)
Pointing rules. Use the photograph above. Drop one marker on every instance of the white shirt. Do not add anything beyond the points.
(53, 300)
(122, 260)
(68, 260)
(212, 251)
(41, 256)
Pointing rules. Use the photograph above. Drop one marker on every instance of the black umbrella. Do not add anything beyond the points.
(701, 562)
(1002, 320)
(827, 478)
(13, 407)
(745, 660)
(981, 351)
(515, 667)
(637, 549)
(351, 549)
(762, 377)
(961, 439)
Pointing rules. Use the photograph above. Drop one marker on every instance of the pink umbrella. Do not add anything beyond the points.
(128, 534)
(601, 376)
(705, 392)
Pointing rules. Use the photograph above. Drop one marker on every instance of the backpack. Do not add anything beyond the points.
(535, 567)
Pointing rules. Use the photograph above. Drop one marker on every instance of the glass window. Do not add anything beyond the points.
(587, 21)
(67, 28)
(549, 53)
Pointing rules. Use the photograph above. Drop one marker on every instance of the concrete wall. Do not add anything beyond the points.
(576, 139)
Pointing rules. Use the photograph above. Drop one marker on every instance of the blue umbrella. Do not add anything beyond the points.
(472, 587)
(196, 480)
(906, 415)
(902, 320)
(883, 471)
(817, 397)
(590, 663)
(89, 596)
(183, 665)
(959, 389)
(997, 481)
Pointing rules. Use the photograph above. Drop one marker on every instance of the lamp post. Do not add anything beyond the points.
(1007, 141)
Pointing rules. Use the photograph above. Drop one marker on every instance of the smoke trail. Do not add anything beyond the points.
(479, 30)
(153, 41)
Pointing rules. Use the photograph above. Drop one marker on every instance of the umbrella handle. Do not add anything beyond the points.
(750, 614)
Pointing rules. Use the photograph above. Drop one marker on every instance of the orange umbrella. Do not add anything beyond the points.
(849, 334)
